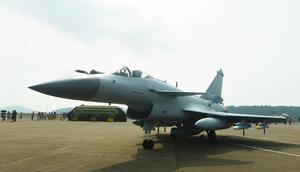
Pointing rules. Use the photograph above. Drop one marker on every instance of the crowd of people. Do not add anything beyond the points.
(11, 116)
(44, 116)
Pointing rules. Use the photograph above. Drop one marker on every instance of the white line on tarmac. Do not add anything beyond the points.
(272, 151)
(286, 142)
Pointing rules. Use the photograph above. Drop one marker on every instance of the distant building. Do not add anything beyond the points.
(97, 113)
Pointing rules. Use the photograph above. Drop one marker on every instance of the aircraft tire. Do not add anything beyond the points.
(148, 144)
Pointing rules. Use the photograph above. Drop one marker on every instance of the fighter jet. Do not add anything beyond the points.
(152, 102)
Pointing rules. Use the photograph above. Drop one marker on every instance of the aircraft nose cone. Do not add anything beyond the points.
(78, 89)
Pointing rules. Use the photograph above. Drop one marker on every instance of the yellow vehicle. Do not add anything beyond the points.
(262, 126)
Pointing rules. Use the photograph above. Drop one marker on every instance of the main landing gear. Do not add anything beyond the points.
(148, 143)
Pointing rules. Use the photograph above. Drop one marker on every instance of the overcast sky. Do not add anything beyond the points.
(256, 43)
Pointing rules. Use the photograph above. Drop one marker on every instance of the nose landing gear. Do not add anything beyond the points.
(148, 144)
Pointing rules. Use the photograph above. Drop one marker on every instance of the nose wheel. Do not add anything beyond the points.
(148, 144)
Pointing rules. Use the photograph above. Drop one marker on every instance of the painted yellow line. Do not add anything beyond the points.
(269, 150)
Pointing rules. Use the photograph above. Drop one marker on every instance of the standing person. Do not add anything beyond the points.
(21, 115)
(8, 118)
(14, 116)
(32, 116)
(3, 115)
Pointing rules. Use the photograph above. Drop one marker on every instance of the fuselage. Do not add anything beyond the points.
(135, 92)
(143, 102)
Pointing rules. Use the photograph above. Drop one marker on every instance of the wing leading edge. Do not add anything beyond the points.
(238, 117)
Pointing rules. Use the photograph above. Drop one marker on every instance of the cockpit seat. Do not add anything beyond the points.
(137, 73)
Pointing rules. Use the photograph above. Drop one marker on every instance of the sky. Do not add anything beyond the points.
(256, 43)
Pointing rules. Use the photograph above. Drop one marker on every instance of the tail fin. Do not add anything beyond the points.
(214, 91)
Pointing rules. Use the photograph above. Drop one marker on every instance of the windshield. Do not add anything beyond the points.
(125, 71)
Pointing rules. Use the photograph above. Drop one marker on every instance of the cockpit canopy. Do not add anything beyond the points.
(125, 71)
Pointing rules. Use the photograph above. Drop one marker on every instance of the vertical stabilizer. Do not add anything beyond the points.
(214, 91)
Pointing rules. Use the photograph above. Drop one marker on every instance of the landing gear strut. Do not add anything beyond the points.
(148, 143)
(211, 135)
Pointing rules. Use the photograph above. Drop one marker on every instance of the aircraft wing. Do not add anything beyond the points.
(237, 117)
(176, 93)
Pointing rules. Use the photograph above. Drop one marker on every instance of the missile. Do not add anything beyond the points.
(241, 125)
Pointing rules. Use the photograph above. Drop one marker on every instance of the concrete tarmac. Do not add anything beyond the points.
(99, 146)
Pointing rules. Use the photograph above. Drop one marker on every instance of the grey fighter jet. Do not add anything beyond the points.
(152, 102)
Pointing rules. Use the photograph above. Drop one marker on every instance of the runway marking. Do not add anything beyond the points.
(251, 137)
(269, 150)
